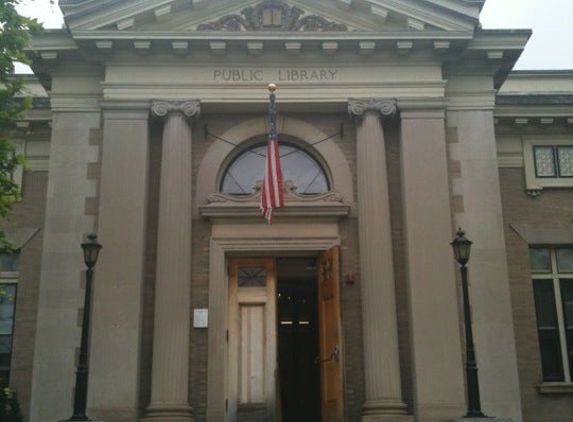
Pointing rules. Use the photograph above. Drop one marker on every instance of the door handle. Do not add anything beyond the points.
(335, 355)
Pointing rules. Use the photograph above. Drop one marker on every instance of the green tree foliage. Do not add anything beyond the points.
(9, 407)
(15, 33)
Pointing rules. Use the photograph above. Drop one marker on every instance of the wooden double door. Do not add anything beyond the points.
(285, 361)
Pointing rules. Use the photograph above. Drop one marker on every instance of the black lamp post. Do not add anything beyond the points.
(462, 247)
(91, 250)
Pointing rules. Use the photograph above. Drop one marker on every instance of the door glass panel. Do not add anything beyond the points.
(252, 277)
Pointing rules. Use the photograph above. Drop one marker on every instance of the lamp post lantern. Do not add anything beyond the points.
(91, 249)
(462, 248)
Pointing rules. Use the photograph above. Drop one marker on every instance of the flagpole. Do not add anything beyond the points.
(272, 110)
(272, 88)
(272, 196)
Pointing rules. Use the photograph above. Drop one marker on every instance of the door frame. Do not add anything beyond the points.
(252, 239)
(242, 301)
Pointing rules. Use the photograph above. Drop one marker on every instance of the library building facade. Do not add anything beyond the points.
(398, 122)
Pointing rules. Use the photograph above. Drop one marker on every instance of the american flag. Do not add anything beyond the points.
(272, 195)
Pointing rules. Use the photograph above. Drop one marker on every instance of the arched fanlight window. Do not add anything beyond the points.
(242, 175)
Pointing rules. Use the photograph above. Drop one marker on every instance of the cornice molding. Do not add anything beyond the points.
(561, 113)
(249, 210)
(449, 18)
(111, 34)
(422, 104)
(500, 39)
(76, 103)
(113, 105)
(290, 195)
(534, 99)
(125, 110)
(328, 204)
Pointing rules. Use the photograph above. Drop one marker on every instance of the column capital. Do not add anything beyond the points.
(125, 110)
(357, 107)
(190, 109)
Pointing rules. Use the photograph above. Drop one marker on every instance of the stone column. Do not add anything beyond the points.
(379, 320)
(170, 371)
(74, 150)
(118, 288)
(476, 189)
(434, 318)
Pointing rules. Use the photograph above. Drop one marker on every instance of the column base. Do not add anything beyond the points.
(482, 419)
(388, 411)
(168, 413)
(387, 418)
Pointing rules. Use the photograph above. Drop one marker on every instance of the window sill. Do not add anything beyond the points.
(555, 388)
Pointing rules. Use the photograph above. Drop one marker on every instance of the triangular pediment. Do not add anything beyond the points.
(371, 16)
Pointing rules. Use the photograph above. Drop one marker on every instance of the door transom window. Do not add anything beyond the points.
(247, 169)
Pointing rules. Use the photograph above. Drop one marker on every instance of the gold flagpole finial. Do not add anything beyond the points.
(272, 88)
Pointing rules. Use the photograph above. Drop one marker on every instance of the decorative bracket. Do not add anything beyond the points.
(534, 191)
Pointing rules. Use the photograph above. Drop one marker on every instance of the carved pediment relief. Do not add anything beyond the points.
(272, 15)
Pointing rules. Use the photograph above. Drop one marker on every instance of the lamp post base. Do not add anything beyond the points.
(88, 419)
(482, 419)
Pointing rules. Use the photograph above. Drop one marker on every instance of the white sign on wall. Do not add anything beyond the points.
(200, 318)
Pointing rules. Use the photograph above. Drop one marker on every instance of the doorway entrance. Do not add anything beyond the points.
(284, 346)
(298, 342)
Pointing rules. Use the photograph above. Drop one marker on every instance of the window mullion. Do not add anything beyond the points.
(560, 317)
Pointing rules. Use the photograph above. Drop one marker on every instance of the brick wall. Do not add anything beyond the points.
(28, 213)
(552, 209)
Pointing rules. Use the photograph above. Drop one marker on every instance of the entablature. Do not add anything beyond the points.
(528, 110)
(327, 205)
(291, 43)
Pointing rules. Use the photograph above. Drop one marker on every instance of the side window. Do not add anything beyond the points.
(9, 273)
(548, 163)
(552, 274)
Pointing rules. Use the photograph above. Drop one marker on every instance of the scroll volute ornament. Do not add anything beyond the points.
(190, 109)
(386, 107)
(252, 19)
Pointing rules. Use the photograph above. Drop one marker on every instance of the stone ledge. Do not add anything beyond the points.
(555, 388)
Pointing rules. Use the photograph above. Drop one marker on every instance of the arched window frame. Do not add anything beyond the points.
(259, 141)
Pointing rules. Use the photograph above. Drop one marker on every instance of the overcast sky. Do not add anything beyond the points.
(550, 47)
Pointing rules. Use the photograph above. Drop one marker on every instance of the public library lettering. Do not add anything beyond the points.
(280, 75)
